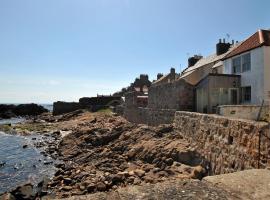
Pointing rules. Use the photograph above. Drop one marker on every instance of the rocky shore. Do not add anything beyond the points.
(104, 152)
(8, 111)
(103, 156)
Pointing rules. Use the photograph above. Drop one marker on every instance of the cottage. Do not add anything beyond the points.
(251, 60)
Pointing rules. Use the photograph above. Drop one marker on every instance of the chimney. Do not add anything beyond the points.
(222, 47)
(143, 77)
(172, 74)
(193, 60)
(172, 71)
(159, 75)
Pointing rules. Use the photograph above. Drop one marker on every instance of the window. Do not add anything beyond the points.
(246, 62)
(246, 94)
(236, 65)
(241, 64)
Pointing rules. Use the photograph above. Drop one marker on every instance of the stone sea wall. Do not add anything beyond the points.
(228, 144)
(152, 117)
(61, 107)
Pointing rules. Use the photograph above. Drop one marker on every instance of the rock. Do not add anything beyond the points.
(2, 164)
(156, 169)
(67, 188)
(198, 172)
(117, 178)
(169, 161)
(60, 165)
(101, 186)
(164, 129)
(136, 181)
(67, 181)
(47, 162)
(139, 172)
(24, 192)
(58, 172)
(7, 196)
(91, 187)
(25, 146)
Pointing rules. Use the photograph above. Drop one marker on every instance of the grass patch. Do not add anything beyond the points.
(105, 111)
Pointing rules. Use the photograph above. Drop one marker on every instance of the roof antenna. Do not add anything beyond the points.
(228, 36)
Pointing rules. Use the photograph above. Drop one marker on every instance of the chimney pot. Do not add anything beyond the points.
(172, 70)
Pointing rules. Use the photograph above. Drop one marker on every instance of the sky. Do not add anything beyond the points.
(65, 49)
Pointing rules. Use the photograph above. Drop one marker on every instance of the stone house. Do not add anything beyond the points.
(178, 95)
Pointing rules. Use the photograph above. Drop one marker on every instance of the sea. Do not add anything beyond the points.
(20, 165)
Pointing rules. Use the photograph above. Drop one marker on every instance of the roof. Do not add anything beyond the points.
(162, 78)
(207, 60)
(218, 64)
(211, 74)
(258, 39)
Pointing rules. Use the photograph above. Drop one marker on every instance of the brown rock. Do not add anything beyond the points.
(139, 172)
(91, 188)
(198, 172)
(67, 188)
(101, 186)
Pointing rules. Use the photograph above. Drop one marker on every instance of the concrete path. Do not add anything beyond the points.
(248, 184)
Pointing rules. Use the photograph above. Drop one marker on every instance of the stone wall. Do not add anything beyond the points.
(228, 144)
(177, 95)
(244, 111)
(152, 117)
(61, 107)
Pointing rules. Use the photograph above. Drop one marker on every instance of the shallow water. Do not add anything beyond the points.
(48, 106)
(11, 121)
(20, 165)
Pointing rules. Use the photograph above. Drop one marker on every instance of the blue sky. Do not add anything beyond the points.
(65, 49)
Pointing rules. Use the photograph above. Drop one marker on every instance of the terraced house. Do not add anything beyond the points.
(237, 74)
(251, 60)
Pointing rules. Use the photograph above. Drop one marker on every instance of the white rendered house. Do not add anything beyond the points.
(251, 60)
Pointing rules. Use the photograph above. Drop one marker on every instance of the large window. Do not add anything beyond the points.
(236, 65)
(241, 64)
(246, 94)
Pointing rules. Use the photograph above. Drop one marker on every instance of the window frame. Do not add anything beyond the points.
(242, 62)
(244, 95)
(241, 58)
(234, 71)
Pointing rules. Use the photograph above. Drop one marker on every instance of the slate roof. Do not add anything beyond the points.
(218, 64)
(207, 60)
(258, 39)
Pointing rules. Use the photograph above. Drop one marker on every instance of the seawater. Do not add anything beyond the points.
(20, 165)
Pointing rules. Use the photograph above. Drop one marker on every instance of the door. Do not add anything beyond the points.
(234, 99)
